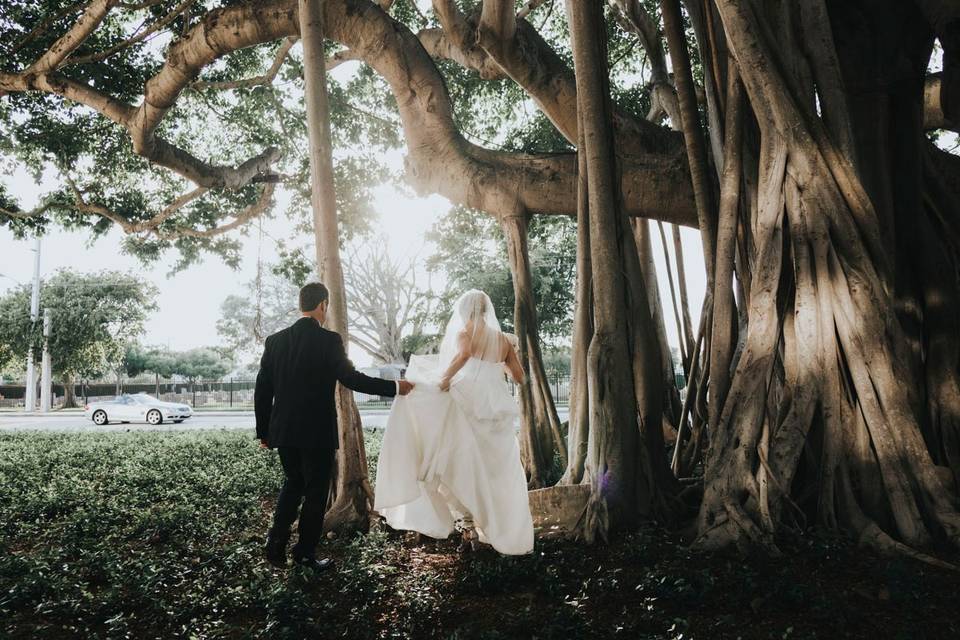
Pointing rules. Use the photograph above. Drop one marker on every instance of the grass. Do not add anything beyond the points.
(158, 535)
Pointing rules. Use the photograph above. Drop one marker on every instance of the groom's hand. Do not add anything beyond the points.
(405, 387)
(263, 444)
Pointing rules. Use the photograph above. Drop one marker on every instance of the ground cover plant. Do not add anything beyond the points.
(158, 535)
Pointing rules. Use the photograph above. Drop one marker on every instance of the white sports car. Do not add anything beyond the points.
(136, 408)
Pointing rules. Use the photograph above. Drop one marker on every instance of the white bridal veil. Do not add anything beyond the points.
(474, 318)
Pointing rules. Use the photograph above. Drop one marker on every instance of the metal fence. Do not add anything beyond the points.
(210, 394)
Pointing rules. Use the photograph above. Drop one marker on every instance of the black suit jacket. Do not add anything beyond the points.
(294, 397)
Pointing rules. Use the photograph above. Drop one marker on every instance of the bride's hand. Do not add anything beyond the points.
(445, 384)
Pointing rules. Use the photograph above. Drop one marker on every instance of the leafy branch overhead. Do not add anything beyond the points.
(173, 121)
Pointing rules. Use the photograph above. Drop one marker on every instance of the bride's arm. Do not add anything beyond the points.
(462, 356)
(513, 365)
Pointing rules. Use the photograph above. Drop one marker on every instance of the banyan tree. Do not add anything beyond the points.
(800, 138)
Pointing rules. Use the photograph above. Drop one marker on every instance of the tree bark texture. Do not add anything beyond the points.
(540, 432)
(350, 494)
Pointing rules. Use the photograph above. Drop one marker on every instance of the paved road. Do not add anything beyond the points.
(213, 420)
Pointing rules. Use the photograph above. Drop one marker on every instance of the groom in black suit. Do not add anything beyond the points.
(296, 414)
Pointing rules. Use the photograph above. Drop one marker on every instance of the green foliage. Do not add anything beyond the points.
(557, 361)
(267, 306)
(420, 343)
(202, 363)
(45, 133)
(41, 132)
(130, 531)
(206, 363)
(136, 360)
(159, 534)
(93, 317)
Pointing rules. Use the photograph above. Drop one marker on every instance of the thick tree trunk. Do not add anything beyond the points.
(671, 394)
(827, 360)
(692, 132)
(69, 392)
(578, 426)
(351, 496)
(941, 308)
(540, 434)
(723, 332)
(618, 467)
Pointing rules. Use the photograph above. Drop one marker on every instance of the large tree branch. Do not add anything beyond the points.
(497, 21)
(457, 41)
(440, 46)
(655, 179)
(32, 213)
(633, 17)
(117, 111)
(647, 30)
(133, 227)
(220, 32)
(91, 18)
(45, 24)
(253, 211)
(533, 64)
(41, 77)
(529, 7)
(159, 151)
(266, 78)
(132, 40)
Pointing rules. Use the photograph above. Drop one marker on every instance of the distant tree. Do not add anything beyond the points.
(389, 313)
(136, 360)
(556, 361)
(384, 301)
(94, 316)
(202, 363)
(162, 362)
(11, 368)
(265, 308)
(419, 343)
(7, 360)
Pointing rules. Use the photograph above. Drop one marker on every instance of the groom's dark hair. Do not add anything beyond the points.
(311, 295)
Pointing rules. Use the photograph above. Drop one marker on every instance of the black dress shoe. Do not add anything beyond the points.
(312, 564)
(276, 552)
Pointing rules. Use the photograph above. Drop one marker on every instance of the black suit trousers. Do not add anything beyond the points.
(307, 480)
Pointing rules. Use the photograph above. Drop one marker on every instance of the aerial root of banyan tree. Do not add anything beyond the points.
(540, 434)
(822, 386)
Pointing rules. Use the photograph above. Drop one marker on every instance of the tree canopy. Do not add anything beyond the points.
(128, 107)
(202, 363)
(94, 316)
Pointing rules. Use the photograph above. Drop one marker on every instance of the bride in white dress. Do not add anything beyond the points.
(450, 448)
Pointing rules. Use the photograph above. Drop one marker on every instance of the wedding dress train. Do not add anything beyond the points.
(455, 454)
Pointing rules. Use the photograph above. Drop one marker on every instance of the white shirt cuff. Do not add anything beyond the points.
(397, 384)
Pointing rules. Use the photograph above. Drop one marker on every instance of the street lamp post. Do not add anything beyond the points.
(46, 387)
(30, 393)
